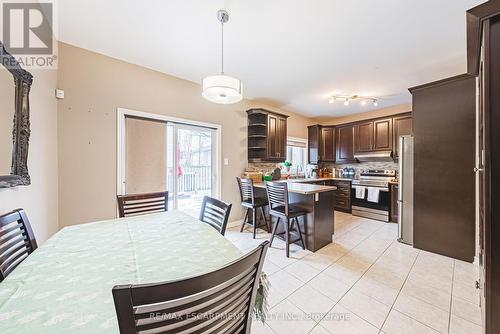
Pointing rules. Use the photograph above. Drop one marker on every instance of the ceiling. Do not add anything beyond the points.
(290, 54)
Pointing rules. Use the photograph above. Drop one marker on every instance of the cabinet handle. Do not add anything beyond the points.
(478, 170)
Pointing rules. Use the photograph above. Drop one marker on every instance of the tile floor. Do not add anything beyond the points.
(365, 282)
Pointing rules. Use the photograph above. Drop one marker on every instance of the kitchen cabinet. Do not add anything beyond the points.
(344, 143)
(313, 142)
(444, 181)
(382, 134)
(363, 134)
(321, 144)
(267, 136)
(394, 188)
(343, 195)
(402, 125)
(327, 144)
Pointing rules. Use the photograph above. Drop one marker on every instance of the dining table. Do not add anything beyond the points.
(65, 285)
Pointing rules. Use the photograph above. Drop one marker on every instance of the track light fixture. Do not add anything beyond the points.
(347, 98)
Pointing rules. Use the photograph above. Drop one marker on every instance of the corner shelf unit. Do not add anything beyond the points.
(266, 136)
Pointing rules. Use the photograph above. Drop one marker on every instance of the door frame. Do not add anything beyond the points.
(122, 113)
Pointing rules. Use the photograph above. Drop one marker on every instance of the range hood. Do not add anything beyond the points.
(374, 156)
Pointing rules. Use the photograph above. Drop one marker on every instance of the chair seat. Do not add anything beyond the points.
(259, 201)
(293, 211)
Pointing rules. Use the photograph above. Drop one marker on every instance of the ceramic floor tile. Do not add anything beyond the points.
(302, 271)
(287, 318)
(259, 328)
(318, 261)
(466, 291)
(311, 302)
(398, 323)
(328, 286)
(433, 295)
(319, 330)
(466, 310)
(366, 307)
(284, 282)
(269, 267)
(461, 326)
(421, 311)
(341, 320)
(378, 291)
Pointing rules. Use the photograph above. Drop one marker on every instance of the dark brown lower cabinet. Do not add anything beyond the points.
(342, 195)
(444, 189)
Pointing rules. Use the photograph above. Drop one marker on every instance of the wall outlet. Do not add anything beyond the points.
(59, 94)
(226, 161)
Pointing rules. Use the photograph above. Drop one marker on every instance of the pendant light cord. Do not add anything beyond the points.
(222, 53)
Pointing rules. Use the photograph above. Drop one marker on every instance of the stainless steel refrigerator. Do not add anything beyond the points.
(405, 192)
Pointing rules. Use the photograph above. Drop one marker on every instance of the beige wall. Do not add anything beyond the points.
(40, 199)
(365, 115)
(95, 85)
(7, 96)
(146, 156)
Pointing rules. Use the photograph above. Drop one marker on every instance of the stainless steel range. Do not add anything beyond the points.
(370, 195)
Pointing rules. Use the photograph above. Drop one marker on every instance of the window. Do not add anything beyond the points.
(296, 153)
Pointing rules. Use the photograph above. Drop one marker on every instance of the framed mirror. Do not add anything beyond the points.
(15, 84)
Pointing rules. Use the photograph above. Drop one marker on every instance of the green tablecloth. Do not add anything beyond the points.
(65, 285)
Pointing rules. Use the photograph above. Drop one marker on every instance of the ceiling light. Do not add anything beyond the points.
(331, 100)
(346, 102)
(221, 88)
(363, 103)
(375, 103)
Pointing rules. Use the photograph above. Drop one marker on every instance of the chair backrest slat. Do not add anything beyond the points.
(133, 205)
(220, 301)
(215, 213)
(247, 192)
(17, 241)
(277, 195)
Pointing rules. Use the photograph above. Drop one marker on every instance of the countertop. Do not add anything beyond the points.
(301, 187)
(319, 179)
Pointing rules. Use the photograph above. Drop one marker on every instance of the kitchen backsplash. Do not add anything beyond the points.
(262, 166)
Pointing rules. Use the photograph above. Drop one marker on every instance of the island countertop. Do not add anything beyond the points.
(302, 187)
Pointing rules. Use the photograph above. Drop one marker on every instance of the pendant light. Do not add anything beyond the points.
(221, 88)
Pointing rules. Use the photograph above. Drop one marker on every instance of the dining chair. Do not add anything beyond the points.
(17, 241)
(215, 213)
(279, 207)
(220, 301)
(252, 203)
(140, 204)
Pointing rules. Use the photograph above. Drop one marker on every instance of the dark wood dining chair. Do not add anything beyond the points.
(140, 204)
(17, 241)
(279, 207)
(252, 203)
(220, 301)
(215, 213)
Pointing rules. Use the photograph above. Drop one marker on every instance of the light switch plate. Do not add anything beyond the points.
(226, 161)
(59, 94)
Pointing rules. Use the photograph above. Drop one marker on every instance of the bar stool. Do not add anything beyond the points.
(252, 203)
(277, 195)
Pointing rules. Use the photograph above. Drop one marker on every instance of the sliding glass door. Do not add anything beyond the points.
(171, 156)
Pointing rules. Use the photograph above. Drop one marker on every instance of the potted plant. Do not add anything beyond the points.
(286, 166)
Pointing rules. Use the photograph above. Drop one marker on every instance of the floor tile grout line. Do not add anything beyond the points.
(451, 296)
(401, 289)
(364, 293)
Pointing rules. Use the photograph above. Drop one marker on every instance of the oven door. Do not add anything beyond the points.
(374, 210)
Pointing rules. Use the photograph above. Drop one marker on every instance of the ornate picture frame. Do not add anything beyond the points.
(19, 175)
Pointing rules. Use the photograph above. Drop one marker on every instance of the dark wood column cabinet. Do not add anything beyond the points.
(402, 125)
(327, 144)
(344, 137)
(363, 134)
(267, 136)
(394, 187)
(313, 142)
(382, 133)
(444, 191)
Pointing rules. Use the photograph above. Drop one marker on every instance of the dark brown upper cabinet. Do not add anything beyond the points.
(313, 142)
(267, 136)
(320, 144)
(363, 134)
(327, 144)
(402, 125)
(382, 134)
(344, 136)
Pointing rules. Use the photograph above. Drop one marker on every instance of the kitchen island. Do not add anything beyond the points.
(319, 201)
